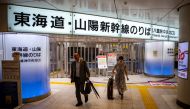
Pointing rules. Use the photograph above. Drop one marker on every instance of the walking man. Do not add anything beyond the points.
(79, 74)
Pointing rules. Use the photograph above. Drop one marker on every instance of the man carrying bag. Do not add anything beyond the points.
(79, 74)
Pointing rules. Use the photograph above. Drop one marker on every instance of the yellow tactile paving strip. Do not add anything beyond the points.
(128, 85)
(147, 98)
(143, 89)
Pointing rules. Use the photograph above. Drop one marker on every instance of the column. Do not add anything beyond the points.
(61, 59)
(66, 58)
(58, 57)
(183, 89)
(3, 18)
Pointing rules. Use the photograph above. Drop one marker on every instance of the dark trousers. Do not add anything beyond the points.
(79, 85)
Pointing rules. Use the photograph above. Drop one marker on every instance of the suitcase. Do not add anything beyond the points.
(110, 89)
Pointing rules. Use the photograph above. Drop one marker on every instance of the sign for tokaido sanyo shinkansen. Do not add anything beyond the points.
(28, 19)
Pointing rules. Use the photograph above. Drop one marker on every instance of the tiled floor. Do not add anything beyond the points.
(132, 79)
(138, 96)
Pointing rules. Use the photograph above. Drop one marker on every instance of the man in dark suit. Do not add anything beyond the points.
(79, 74)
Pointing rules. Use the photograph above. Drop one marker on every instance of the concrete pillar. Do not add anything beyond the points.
(53, 56)
(3, 18)
(183, 89)
(66, 58)
(61, 59)
(1, 54)
(58, 55)
(61, 55)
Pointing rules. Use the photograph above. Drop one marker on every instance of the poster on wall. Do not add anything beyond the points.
(183, 60)
(112, 59)
(102, 62)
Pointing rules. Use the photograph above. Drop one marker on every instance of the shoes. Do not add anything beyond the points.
(78, 104)
(121, 95)
(86, 98)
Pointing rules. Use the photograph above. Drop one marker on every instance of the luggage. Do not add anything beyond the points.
(110, 89)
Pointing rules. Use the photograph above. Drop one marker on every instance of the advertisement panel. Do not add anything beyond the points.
(34, 51)
(102, 62)
(183, 52)
(112, 59)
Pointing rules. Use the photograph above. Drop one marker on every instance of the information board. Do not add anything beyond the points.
(102, 62)
(112, 59)
(11, 70)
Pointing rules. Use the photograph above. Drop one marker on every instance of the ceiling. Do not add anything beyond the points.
(160, 12)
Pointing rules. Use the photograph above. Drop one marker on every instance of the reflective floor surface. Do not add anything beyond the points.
(143, 93)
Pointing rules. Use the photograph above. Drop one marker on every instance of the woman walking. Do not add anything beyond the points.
(121, 71)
